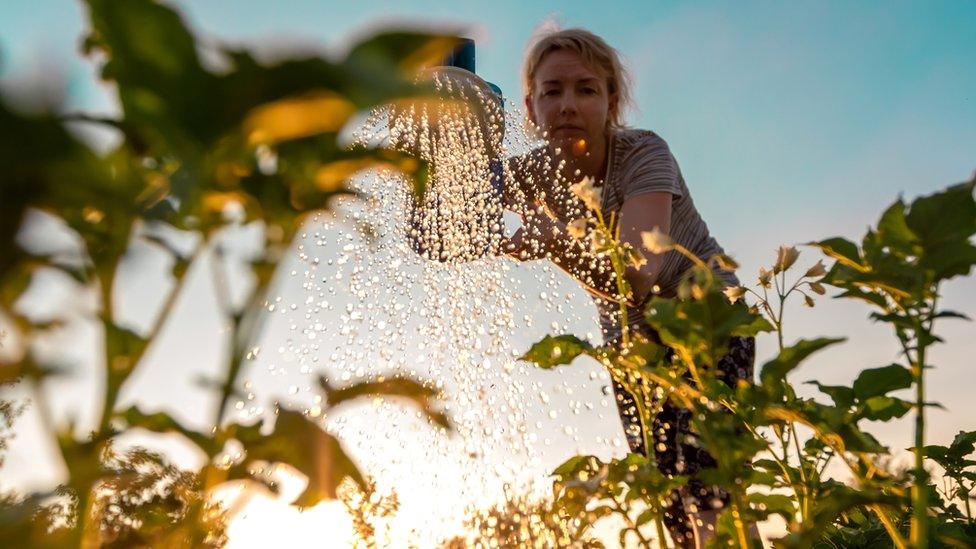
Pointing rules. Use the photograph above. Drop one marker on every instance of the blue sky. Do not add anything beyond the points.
(790, 122)
(790, 104)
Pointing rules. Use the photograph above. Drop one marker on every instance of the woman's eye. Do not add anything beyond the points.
(589, 91)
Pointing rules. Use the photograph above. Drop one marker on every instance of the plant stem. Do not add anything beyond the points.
(890, 527)
(644, 542)
(740, 525)
(919, 531)
(111, 393)
(659, 526)
(805, 503)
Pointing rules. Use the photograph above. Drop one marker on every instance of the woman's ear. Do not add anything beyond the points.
(529, 110)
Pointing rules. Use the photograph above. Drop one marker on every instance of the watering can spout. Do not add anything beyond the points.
(463, 57)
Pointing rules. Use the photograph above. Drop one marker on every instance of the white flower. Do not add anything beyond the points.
(785, 258)
(588, 193)
(577, 228)
(598, 242)
(634, 258)
(734, 293)
(656, 241)
(817, 270)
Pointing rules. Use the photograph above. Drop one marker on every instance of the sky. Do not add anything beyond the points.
(790, 123)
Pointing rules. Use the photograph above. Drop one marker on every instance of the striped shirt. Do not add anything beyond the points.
(639, 161)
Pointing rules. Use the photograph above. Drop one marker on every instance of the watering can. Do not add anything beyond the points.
(459, 133)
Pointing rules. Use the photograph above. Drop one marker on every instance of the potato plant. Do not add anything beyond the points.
(897, 270)
(202, 150)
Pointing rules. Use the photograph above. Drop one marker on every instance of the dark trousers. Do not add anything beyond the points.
(676, 448)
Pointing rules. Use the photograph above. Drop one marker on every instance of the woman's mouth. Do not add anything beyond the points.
(567, 130)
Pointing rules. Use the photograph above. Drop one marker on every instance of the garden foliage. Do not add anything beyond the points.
(202, 150)
(897, 269)
(207, 148)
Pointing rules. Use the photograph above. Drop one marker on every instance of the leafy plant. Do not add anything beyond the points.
(203, 151)
(898, 270)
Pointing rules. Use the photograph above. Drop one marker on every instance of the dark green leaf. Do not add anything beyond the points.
(774, 504)
(421, 394)
(842, 396)
(791, 357)
(161, 422)
(556, 351)
(885, 408)
(893, 231)
(402, 51)
(948, 215)
(951, 314)
(880, 381)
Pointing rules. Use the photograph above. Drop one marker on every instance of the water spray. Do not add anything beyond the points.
(459, 132)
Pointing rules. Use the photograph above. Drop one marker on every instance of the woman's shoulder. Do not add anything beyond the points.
(631, 142)
(643, 163)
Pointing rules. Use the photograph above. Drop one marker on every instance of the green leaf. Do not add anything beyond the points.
(122, 348)
(402, 50)
(963, 444)
(556, 351)
(893, 231)
(831, 504)
(880, 381)
(701, 327)
(951, 314)
(649, 515)
(150, 53)
(948, 215)
(756, 326)
(885, 408)
(939, 454)
(301, 443)
(842, 396)
(421, 394)
(841, 249)
(572, 466)
(774, 504)
(791, 357)
(949, 259)
(161, 422)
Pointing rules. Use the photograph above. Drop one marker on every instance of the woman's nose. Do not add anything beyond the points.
(568, 104)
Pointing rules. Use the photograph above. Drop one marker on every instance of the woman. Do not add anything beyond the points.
(575, 91)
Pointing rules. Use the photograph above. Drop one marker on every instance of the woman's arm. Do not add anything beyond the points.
(542, 236)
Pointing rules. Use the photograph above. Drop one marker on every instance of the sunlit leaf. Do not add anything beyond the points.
(301, 443)
(406, 51)
(556, 351)
(885, 408)
(843, 250)
(297, 117)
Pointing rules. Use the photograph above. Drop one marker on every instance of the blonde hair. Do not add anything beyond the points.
(595, 52)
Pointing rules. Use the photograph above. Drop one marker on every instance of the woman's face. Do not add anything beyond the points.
(569, 100)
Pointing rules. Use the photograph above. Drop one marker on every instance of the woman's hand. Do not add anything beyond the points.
(534, 239)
